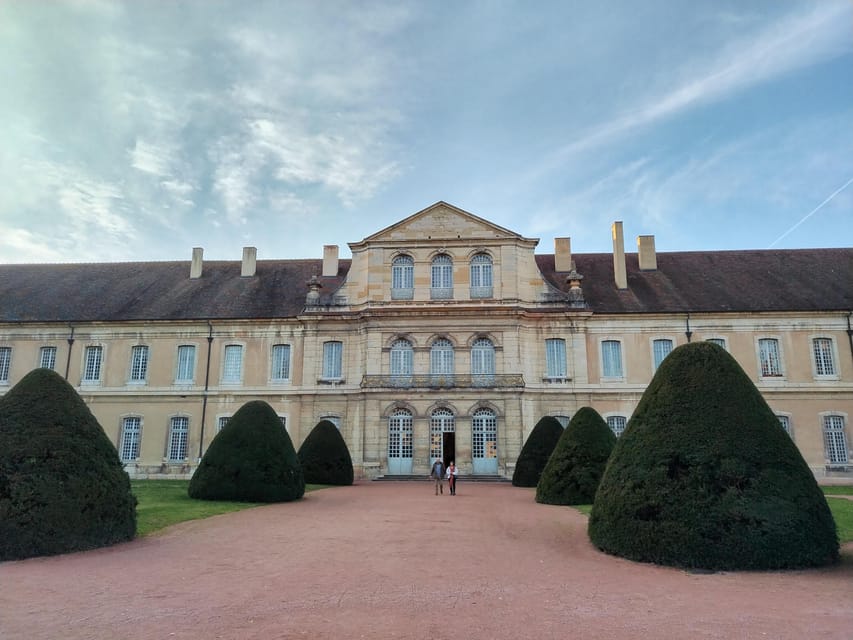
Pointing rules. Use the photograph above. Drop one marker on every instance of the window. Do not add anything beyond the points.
(185, 371)
(481, 276)
(280, 362)
(785, 423)
(441, 421)
(834, 439)
(5, 362)
(617, 424)
(47, 357)
(441, 281)
(824, 359)
(332, 357)
(660, 350)
(401, 358)
(484, 434)
(131, 429)
(400, 434)
(92, 367)
(232, 371)
(611, 359)
(283, 420)
(768, 355)
(178, 432)
(221, 422)
(138, 363)
(720, 342)
(483, 359)
(563, 420)
(441, 357)
(335, 420)
(402, 278)
(555, 358)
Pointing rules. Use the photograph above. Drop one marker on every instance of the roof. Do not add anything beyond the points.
(798, 280)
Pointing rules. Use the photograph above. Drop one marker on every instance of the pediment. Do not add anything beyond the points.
(441, 221)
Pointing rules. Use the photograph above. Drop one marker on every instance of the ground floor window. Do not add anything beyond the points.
(400, 442)
(484, 441)
(834, 439)
(130, 432)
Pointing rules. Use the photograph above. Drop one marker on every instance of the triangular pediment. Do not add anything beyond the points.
(441, 221)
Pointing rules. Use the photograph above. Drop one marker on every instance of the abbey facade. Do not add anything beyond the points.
(443, 336)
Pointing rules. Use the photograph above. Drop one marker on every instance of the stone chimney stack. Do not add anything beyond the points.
(562, 254)
(195, 267)
(646, 253)
(250, 255)
(620, 273)
(330, 260)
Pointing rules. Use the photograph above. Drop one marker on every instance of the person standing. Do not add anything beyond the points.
(437, 472)
(452, 472)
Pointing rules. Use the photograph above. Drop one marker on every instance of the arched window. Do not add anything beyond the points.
(617, 424)
(402, 278)
(482, 361)
(400, 442)
(481, 276)
(401, 358)
(441, 422)
(484, 441)
(441, 357)
(441, 280)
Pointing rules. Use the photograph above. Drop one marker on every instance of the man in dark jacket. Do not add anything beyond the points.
(437, 472)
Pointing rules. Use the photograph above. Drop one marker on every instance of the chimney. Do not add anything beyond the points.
(250, 255)
(562, 254)
(619, 272)
(330, 260)
(195, 267)
(646, 253)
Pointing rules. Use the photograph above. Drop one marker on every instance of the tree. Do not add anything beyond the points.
(705, 477)
(325, 457)
(535, 452)
(62, 485)
(577, 463)
(251, 460)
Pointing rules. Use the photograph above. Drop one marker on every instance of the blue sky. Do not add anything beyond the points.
(138, 130)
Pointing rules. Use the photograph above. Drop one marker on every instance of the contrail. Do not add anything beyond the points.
(813, 211)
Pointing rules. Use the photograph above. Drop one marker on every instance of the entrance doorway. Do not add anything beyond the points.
(442, 436)
(400, 443)
(448, 446)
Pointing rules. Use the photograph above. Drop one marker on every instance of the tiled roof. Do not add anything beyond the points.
(789, 280)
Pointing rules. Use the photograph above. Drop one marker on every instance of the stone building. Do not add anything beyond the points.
(443, 335)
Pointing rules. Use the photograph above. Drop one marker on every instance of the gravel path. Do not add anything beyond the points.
(392, 560)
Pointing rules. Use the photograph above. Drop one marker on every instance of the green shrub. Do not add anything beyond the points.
(325, 457)
(577, 462)
(62, 485)
(535, 452)
(704, 476)
(251, 460)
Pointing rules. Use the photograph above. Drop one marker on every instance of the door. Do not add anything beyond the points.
(400, 443)
(442, 427)
(484, 442)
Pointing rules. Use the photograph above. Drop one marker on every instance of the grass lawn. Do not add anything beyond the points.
(165, 502)
(838, 490)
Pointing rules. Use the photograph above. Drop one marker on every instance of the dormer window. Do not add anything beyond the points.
(402, 278)
(441, 281)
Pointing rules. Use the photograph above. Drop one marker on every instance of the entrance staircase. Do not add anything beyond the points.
(424, 478)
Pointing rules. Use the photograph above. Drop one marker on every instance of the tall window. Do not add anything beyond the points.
(5, 363)
(481, 276)
(332, 360)
(563, 420)
(824, 359)
(280, 362)
(555, 358)
(185, 371)
(483, 358)
(441, 421)
(441, 357)
(402, 360)
(402, 278)
(617, 424)
(47, 357)
(92, 367)
(441, 281)
(785, 423)
(661, 349)
(138, 363)
(611, 359)
(232, 370)
(221, 422)
(400, 434)
(484, 434)
(834, 439)
(720, 342)
(178, 434)
(768, 355)
(131, 429)
(335, 420)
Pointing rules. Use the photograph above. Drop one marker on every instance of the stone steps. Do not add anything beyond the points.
(424, 478)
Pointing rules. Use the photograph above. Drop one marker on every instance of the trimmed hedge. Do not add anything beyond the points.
(536, 451)
(62, 485)
(251, 460)
(325, 457)
(705, 477)
(577, 463)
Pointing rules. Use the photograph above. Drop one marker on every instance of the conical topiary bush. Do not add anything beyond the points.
(325, 457)
(704, 477)
(536, 451)
(577, 463)
(251, 460)
(62, 485)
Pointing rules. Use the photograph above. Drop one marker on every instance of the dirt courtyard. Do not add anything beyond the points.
(392, 560)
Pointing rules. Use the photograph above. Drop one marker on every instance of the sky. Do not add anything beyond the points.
(138, 130)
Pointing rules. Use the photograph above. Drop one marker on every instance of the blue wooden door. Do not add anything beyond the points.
(400, 443)
(484, 442)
